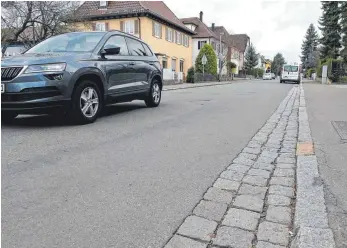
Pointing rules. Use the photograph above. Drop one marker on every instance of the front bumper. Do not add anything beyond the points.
(43, 107)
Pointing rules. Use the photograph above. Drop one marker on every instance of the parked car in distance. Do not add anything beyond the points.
(267, 76)
(273, 76)
(290, 73)
(78, 73)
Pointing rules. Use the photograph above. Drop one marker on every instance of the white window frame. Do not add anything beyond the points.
(174, 69)
(179, 38)
(157, 27)
(100, 26)
(129, 27)
(103, 3)
(186, 40)
(170, 35)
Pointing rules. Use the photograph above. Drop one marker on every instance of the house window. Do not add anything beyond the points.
(129, 27)
(100, 26)
(173, 64)
(201, 44)
(170, 35)
(181, 65)
(157, 29)
(164, 63)
(179, 38)
(186, 40)
(103, 3)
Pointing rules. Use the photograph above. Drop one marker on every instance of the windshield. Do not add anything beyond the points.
(71, 42)
(290, 68)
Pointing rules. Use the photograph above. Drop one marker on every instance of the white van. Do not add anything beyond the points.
(290, 73)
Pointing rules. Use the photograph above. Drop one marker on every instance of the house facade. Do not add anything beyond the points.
(203, 35)
(241, 42)
(151, 21)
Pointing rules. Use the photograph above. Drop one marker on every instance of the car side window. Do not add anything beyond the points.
(135, 47)
(147, 50)
(118, 40)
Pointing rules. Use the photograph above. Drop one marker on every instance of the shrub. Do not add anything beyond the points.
(211, 65)
(190, 75)
(343, 79)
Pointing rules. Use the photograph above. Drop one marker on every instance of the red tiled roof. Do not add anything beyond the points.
(91, 9)
(202, 31)
(220, 29)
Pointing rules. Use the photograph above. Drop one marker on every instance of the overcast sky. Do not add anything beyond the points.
(273, 26)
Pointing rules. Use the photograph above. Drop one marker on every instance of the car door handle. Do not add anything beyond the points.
(132, 63)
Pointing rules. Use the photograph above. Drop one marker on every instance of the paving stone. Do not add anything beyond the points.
(278, 214)
(249, 202)
(263, 166)
(247, 155)
(272, 145)
(285, 166)
(279, 172)
(314, 238)
(269, 154)
(226, 184)
(232, 175)
(243, 161)
(285, 181)
(273, 233)
(270, 149)
(255, 180)
(287, 154)
(247, 189)
(233, 237)
(287, 149)
(239, 168)
(267, 160)
(284, 160)
(218, 195)
(251, 150)
(210, 210)
(278, 200)
(242, 219)
(281, 190)
(262, 244)
(259, 173)
(254, 144)
(178, 241)
(197, 227)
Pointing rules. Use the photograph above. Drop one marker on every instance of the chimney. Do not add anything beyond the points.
(212, 26)
(201, 15)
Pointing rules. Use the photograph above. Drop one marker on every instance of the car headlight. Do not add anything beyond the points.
(46, 68)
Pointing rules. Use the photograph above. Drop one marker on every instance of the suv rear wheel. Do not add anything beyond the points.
(154, 97)
(86, 103)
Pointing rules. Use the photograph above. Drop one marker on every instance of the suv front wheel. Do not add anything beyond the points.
(154, 97)
(86, 103)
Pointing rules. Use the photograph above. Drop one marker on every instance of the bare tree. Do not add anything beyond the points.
(31, 22)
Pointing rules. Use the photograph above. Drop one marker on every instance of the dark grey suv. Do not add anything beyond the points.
(78, 73)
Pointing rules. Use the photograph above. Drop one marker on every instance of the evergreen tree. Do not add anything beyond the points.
(277, 64)
(331, 29)
(211, 64)
(251, 59)
(343, 10)
(309, 47)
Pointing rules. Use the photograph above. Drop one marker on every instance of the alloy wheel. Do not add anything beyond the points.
(156, 93)
(89, 102)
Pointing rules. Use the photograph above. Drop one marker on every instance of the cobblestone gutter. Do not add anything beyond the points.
(252, 202)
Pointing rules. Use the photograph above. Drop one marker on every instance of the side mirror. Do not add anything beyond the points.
(110, 50)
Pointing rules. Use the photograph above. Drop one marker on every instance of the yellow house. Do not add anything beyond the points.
(153, 22)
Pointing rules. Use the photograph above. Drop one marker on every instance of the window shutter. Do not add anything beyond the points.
(199, 45)
(187, 41)
(137, 28)
(166, 33)
(93, 26)
(106, 26)
(153, 31)
(121, 26)
(160, 30)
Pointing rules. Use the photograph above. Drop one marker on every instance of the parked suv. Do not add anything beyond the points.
(79, 73)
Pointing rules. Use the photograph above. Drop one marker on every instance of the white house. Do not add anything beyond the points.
(204, 35)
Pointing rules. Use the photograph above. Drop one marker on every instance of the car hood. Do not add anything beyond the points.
(42, 58)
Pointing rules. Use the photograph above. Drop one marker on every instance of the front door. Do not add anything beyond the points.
(116, 67)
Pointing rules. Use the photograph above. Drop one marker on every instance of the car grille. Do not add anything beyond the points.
(9, 73)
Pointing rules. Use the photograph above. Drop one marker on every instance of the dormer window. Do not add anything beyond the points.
(103, 4)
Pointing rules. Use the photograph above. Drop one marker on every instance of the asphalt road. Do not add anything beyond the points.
(129, 179)
(327, 103)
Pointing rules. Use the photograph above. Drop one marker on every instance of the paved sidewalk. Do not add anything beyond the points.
(196, 85)
(251, 203)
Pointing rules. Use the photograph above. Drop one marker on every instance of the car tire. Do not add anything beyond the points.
(86, 103)
(281, 81)
(7, 117)
(154, 97)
